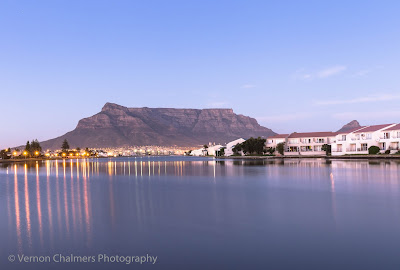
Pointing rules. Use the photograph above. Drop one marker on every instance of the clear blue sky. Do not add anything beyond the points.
(293, 65)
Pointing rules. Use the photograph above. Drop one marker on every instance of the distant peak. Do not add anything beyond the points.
(350, 126)
(111, 106)
(354, 123)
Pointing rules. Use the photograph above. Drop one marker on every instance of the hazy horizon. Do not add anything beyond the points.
(293, 66)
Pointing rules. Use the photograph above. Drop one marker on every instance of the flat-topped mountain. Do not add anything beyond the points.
(119, 126)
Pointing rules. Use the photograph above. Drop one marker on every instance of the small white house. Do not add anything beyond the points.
(197, 152)
(230, 145)
(213, 149)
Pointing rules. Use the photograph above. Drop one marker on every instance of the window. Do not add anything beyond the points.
(369, 136)
(343, 138)
(364, 147)
(320, 140)
(386, 135)
(398, 134)
(318, 148)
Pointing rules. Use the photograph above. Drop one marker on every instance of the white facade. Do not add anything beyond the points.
(273, 141)
(212, 149)
(230, 145)
(359, 140)
(308, 144)
(198, 152)
(391, 138)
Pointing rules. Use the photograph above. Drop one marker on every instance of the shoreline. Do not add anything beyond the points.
(350, 157)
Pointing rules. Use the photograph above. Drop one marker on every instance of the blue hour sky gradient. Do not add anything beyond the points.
(293, 65)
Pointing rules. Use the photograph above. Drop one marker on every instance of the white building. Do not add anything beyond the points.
(213, 149)
(297, 144)
(198, 152)
(273, 141)
(359, 140)
(309, 143)
(230, 145)
(391, 137)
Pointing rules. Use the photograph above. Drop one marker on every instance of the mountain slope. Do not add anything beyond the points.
(350, 126)
(119, 126)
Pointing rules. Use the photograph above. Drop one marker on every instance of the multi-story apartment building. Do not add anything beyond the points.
(273, 141)
(390, 138)
(359, 140)
(303, 143)
(355, 141)
(308, 143)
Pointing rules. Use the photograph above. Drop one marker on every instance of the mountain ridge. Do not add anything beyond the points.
(120, 126)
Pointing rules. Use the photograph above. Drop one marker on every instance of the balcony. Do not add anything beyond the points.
(363, 149)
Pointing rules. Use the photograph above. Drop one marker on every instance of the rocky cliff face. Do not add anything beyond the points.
(118, 126)
(350, 126)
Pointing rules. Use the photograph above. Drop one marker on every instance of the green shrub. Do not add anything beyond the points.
(270, 150)
(280, 147)
(387, 152)
(327, 148)
(373, 150)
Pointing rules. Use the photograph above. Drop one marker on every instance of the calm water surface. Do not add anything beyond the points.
(195, 213)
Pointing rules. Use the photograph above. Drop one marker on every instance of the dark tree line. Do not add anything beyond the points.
(5, 153)
(65, 146)
(33, 148)
(251, 146)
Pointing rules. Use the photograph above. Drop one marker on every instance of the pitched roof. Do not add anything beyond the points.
(351, 130)
(312, 134)
(372, 128)
(278, 136)
(396, 127)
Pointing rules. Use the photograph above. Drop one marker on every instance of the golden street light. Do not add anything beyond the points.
(36, 153)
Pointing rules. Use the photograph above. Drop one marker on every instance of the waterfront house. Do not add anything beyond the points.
(309, 143)
(230, 145)
(358, 141)
(213, 149)
(390, 138)
(273, 141)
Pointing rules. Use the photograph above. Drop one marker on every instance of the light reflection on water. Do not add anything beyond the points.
(142, 204)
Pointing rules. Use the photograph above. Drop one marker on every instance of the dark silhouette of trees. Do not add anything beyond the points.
(65, 145)
(327, 148)
(251, 146)
(35, 148)
(5, 153)
(280, 147)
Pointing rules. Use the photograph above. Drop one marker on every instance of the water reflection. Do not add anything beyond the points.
(17, 210)
(27, 208)
(91, 204)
